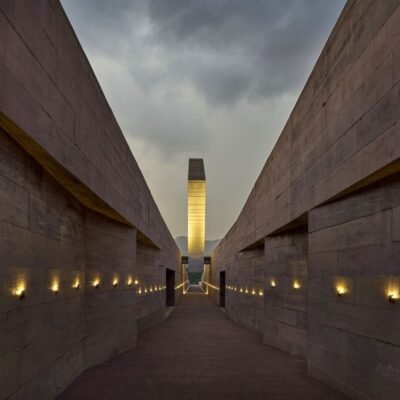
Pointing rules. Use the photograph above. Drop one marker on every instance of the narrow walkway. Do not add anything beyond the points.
(198, 353)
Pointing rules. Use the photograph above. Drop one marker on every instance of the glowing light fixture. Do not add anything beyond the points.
(140, 291)
(145, 290)
(136, 282)
(393, 295)
(210, 285)
(241, 290)
(115, 282)
(261, 292)
(96, 283)
(55, 287)
(296, 285)
(253, 292)
(341, 290)
(76, 284)
(246, 291)
(273, 283)
(19, 291)
(129, 282)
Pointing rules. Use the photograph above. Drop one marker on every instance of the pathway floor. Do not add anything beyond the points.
(198, 353)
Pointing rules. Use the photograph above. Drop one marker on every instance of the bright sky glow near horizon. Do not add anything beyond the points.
(211, 79)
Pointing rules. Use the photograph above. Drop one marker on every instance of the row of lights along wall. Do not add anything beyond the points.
(393, 293)
(21, 287)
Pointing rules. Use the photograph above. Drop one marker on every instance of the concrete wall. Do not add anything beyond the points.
(42, 241)
(286, 290)
(342, 137)
(244, 289)
(355, 339)
(73, 206)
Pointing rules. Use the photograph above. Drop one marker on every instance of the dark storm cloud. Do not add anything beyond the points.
(228, 49)
(259, 48)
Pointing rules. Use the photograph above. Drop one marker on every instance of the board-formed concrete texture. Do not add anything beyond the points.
(83, 249)
(324, 213)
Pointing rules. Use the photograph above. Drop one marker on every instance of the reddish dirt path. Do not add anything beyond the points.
(198, 353)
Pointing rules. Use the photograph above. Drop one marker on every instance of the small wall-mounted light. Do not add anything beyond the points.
(296, 285)
(140, 291)
(129, 282)
(273, 283)
(261, 292)
(393, 296)
(76, 284)
(253, 292)
(241, 290)
(55, 288)
(246, 291)
(136, 282)
(115, 282)
(341, 290)
(96, 283)
(19, 291)
(145, 290)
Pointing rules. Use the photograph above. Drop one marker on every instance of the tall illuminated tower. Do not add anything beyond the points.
(196, 214)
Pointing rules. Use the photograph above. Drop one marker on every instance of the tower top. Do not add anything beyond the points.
(196, 170)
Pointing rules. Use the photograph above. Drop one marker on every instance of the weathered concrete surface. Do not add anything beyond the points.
(355, 339)
(342, 138)
(243, 301)
(197, 353)
(74, 206)
(285, 324)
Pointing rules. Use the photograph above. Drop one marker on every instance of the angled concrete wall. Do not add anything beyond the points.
(340, 143)
(74, 207)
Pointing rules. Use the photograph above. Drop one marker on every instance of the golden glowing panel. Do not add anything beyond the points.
(296, 285)
(273, 283)
(196, 218)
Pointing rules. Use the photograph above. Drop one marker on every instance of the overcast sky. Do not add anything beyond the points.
(215, 79)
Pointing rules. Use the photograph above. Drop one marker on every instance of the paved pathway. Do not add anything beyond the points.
(198, 353)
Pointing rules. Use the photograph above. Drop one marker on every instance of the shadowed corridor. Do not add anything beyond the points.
(198, 353)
